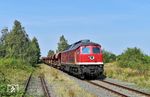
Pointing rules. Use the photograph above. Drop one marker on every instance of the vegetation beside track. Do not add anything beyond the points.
(18, 56)
(131, 66)
(62, 85)
(16, 72)
(141, 79)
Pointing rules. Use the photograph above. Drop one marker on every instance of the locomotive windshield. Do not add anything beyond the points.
(96, 50)
(85, 50)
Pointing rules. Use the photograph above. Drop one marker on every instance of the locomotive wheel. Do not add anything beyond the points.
(70, 71)
(62, 68)
(82, 76)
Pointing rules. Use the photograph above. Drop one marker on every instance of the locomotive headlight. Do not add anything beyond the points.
(101, 65)
(91, 57)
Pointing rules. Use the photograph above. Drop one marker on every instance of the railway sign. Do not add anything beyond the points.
(12, 88)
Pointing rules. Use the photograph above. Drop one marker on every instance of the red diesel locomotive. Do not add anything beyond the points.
(83, 58)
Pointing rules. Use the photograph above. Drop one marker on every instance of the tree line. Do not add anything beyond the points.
(17, 44)
(62, 45)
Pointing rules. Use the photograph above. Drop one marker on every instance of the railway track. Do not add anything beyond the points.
(120, 91)
(130, 89)
(113, 91)
(43, 86)
(27, 84)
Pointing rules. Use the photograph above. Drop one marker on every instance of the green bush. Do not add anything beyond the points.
(14, 64)
(134, 58)
(108, 56)
(3, 89)
(13, 71)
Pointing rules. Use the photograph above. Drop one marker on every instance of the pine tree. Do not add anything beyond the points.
(33, 53)
(50, 53)
(62, 45)
(2, 42)
(4, 34)
(37, 49)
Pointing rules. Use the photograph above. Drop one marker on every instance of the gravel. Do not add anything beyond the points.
(99, 92)
(127, 84)
(50, 88)
(118, 89)
(94, 89)
(35, 88)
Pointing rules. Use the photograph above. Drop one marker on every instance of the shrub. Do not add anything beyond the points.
(134, 58)
(108, 56)
(13, 71)
(14, 64)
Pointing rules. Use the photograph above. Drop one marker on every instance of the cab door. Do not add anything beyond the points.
(77, 56)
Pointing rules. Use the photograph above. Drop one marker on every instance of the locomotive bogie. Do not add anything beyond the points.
(83, 71)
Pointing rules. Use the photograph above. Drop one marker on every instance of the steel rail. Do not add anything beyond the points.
(27, 84)
(127, 88)
(113, 91)
(44, 86)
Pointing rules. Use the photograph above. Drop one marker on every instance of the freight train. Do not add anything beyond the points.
(83, 58)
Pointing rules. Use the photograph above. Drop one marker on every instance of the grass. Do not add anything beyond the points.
(62, 85)
(13, 71)
(141, 79)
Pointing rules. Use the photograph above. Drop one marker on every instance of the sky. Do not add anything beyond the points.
(115, 24)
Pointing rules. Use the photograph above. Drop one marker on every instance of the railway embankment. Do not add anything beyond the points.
(65, 85)
(140, 80)
(58, 83)
(62, 85)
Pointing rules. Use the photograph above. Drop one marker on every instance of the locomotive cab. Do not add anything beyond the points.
(89, 57)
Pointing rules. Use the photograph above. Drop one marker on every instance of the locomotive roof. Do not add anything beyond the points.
(81, 43)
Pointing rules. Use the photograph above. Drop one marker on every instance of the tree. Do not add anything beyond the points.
(33, 52)
(133, 57)
(17, 42)
(50, 53)
(62, 45)
(37, 49)
(2, 42)
(4, 34)
(108, 56)
(2, 51)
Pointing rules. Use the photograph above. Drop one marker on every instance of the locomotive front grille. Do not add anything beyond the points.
(92, 70)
